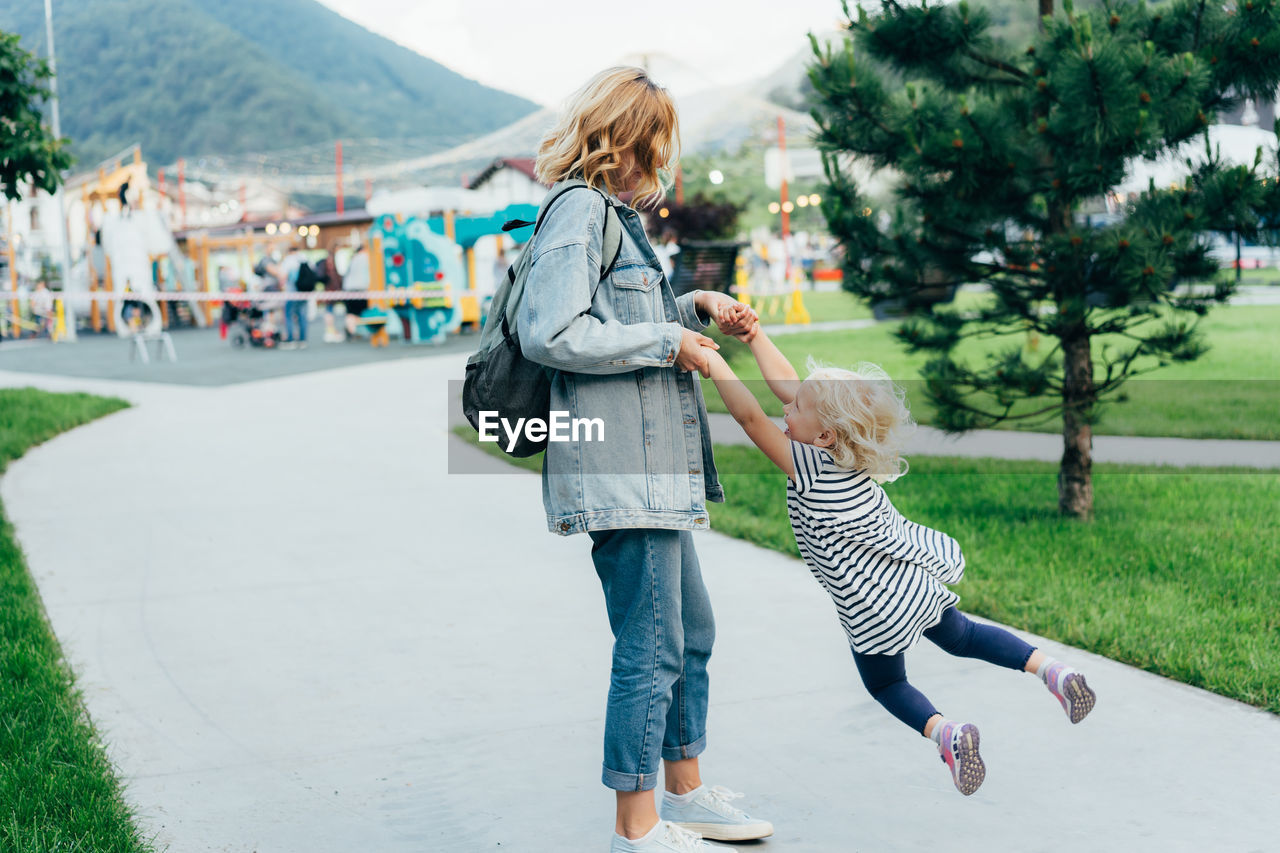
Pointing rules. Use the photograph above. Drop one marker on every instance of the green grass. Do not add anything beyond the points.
(1262, 276)
(827, 306)
(57, 789)
(1176, 575)
(1230, 392)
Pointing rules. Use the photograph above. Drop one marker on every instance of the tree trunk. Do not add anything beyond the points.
(1075, 476)
(1046, 8)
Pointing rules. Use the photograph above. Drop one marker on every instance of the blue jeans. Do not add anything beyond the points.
(295, 317)
(885, 676)
(663, 631)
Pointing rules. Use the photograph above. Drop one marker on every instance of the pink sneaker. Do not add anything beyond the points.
(1072, 691)
(959, 751)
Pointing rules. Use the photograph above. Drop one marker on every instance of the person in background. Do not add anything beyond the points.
(328, 269)
(295, 318)
(356, 280)
(666, 250)
(42, 307)
(226, 278)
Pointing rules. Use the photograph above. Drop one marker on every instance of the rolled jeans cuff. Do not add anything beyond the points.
(690, 750)
(629, 781)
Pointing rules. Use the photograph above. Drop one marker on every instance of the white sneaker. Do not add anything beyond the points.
(711, 815)
(666, 837)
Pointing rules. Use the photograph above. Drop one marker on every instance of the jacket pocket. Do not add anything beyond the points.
(635, 293)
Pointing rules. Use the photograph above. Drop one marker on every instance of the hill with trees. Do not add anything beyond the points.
(239, 76)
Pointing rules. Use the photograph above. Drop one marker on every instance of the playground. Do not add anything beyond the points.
(139, 272)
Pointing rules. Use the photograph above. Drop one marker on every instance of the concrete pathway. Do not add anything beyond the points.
(1007, 444)
(204, 358)
(775, 329)
(297, 632)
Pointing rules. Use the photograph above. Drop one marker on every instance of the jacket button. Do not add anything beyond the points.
(690, 421)
(564, 525)
(694, 471)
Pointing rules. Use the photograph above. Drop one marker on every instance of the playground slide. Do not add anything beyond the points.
(130, 242)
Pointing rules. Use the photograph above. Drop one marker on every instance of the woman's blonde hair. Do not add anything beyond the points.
(620, 110)
(869, 416)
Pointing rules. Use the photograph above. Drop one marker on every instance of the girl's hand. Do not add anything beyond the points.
(731, 316)
(750, 334)
(740, 320)
(713, 359)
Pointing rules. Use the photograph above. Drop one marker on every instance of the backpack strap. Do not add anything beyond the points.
(612, 238)
(611, 246)
(612, 224)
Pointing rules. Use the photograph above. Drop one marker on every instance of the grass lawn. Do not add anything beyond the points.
(826, 306)
(1261, 276)
(1230, 392)
(1176, 575)
(57, 790)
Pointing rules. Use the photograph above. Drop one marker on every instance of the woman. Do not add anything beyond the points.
(626, 351)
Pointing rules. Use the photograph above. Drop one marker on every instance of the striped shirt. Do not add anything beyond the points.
(884, 573)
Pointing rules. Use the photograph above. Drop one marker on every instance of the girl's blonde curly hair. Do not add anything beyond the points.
(620, 110)
(868, 414)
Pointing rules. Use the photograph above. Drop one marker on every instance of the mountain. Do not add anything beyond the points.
(186, 78)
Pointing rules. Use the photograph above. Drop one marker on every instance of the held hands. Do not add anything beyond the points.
(711, 361)
(731, 316)
(693, 351)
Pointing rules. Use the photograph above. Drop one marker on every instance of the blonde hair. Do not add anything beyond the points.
(619, 111)
(869, 416)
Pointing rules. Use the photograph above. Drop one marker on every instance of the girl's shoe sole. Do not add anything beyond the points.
(1078, 699)
(968, 772)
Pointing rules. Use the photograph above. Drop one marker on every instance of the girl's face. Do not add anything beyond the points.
(801, 416)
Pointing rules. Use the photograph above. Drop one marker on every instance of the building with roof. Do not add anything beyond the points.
(506, 181)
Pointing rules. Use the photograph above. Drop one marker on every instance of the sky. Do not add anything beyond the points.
(545, 49)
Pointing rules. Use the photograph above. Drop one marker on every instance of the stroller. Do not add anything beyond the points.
(247, 324)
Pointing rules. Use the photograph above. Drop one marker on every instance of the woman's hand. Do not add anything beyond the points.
(693, 351)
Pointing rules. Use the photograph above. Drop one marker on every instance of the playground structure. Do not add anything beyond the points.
(133, 251)
(429, 264)
(407, 257)
(770, 301)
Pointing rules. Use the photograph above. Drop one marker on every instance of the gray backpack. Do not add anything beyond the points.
(499, 378)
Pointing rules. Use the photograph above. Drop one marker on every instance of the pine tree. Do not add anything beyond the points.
(999, 148)
(28, 152)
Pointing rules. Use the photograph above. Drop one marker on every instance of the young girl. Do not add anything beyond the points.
(886, 575)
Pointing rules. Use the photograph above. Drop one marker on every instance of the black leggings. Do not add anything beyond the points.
(885, 676)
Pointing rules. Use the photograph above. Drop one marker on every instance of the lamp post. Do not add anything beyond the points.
(62, 213)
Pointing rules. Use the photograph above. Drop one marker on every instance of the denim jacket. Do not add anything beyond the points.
(613, 355)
